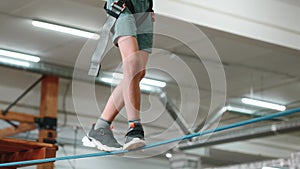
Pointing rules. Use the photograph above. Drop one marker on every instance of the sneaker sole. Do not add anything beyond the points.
(87, 142)
(134, 144)
(98, 145)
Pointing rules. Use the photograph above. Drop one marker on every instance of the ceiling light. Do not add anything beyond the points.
(14, 62)
(115, 82)
(20, 56)
(147, 88)
(239, 110)
(110, 81)
(263, 104)
(65, 29)
(270, 168)
(169, 155)
(152, 82)
(144, 81)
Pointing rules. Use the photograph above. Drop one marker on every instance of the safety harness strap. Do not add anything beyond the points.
(130, 6)
(117, 8)
(113, 14)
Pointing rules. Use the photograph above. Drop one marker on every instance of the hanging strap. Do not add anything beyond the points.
(117, 8)
(113, 14)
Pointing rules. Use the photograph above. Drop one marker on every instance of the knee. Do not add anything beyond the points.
(132, 66)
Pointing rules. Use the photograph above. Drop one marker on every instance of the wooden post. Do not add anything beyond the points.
(48, 113)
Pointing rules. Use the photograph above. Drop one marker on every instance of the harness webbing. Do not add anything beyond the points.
(117, 8)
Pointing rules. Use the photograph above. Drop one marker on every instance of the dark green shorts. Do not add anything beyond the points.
(126, 25)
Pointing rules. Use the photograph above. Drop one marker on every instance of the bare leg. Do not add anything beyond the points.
(127, 92)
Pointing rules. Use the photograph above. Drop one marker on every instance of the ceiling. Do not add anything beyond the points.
(183, 51)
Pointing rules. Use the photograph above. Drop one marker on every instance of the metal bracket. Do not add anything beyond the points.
(46, 123)
(49, 141)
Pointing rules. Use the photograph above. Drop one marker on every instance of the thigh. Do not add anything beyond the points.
(129, 48)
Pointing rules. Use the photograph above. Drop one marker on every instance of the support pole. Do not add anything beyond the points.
(174, 113)
(48, 113)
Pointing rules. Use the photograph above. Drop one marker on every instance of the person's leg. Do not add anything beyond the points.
(134, 63)
(128, 92)
(114, 104)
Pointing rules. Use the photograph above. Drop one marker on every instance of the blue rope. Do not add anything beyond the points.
(189, 136)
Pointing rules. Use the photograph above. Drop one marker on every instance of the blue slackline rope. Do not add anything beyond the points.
(189, 136)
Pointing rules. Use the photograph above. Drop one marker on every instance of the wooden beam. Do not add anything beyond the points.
(20, 117)
(33, 154)
(49, 97)
(48, 105)
(23, 127)
(48, 154)
(48, 109)
(12, 150)
(26, 145)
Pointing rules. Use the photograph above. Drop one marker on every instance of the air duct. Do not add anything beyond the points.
(244, 134)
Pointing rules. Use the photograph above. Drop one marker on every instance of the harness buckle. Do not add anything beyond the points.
(117, 7)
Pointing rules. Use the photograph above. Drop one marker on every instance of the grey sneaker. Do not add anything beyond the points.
(104, 139)
(135, 137)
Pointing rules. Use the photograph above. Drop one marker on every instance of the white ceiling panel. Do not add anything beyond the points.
(65, 12)
(232, 50)
(277, 61)
(10, 6)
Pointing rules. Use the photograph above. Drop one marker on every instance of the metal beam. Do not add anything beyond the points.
(285, 163)
(245, 134)
(174, 113)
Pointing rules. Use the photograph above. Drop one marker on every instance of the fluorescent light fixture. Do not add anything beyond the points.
(169, 155)
(263, 104)
(270, 168)
(110, 81)
(152, 82)
(114, 82)
(65, 29)
(117, 75)
(147, 88)
(20, 56)
(144, 81)
(240, 110)
(14, 62)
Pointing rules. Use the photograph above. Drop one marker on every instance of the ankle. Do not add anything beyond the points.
(132, 123)
(102, 123)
